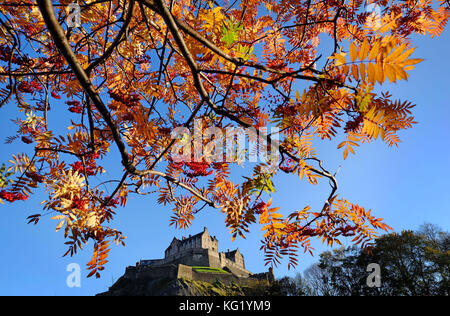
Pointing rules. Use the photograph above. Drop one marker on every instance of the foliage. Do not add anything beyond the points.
(412, 264)
(135, 70)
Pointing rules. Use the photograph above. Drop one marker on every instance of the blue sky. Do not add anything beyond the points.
(406, 186)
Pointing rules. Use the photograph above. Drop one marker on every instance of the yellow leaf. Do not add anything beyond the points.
(374, 51)
(355, 72)
(390, 72)
(396, 53)
(362, 71)
(379, 73)
(371, 72)
(353, 53)
(364, 50)
(340, 59)
(405, 55)
(400, 73)
(60, 224)
(412, 61)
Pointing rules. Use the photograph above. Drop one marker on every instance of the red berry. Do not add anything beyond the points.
(26, 140)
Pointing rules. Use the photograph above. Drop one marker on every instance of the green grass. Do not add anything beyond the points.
(209, 269)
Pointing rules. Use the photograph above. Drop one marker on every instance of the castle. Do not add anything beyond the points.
(186, 259)
(200, 250)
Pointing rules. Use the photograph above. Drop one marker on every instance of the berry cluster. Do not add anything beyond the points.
(29, 87)
(347, 230)
(6, 55)
(197, 169)
(129, 100)
(34, 176)
(55, 95)
(74, 106)
(288, 165)
(112, 202)
(28, 29)
(79, 204)
(90, 166)
(26, 139)
(260, 207)
(307, 231)
(11, 197)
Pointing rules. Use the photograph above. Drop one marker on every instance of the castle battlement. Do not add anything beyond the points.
(200, 250)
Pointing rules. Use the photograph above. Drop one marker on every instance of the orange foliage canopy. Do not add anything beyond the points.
(133, 71)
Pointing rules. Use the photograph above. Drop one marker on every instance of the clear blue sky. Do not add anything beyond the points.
(406, 186)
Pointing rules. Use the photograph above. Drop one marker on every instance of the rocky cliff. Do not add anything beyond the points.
(181, 280)
(185, 287)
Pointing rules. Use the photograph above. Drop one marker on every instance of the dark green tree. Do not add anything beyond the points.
(411, 263)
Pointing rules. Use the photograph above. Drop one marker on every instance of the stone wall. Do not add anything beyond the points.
(151, 275)
(158, 272)
(269, 276)
(194, 257)
(235, 268)
(184, 272)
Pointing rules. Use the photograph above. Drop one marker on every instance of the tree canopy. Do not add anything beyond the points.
(412, 263)
(140, 77)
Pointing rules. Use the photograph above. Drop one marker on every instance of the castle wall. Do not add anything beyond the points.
(184, 272)
(209, 243)
(190, 257)
(235, 268)
(155, 272)
(239, 260)
(213, 259)
(150, 262)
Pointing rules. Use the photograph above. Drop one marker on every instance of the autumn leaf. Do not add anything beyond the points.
(143, 82)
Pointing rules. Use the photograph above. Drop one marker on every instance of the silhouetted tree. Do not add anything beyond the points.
(411, 263)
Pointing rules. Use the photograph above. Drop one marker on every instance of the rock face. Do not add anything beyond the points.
(180, 280)
(184, 287)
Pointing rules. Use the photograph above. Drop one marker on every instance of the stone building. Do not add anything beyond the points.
(201, 249)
